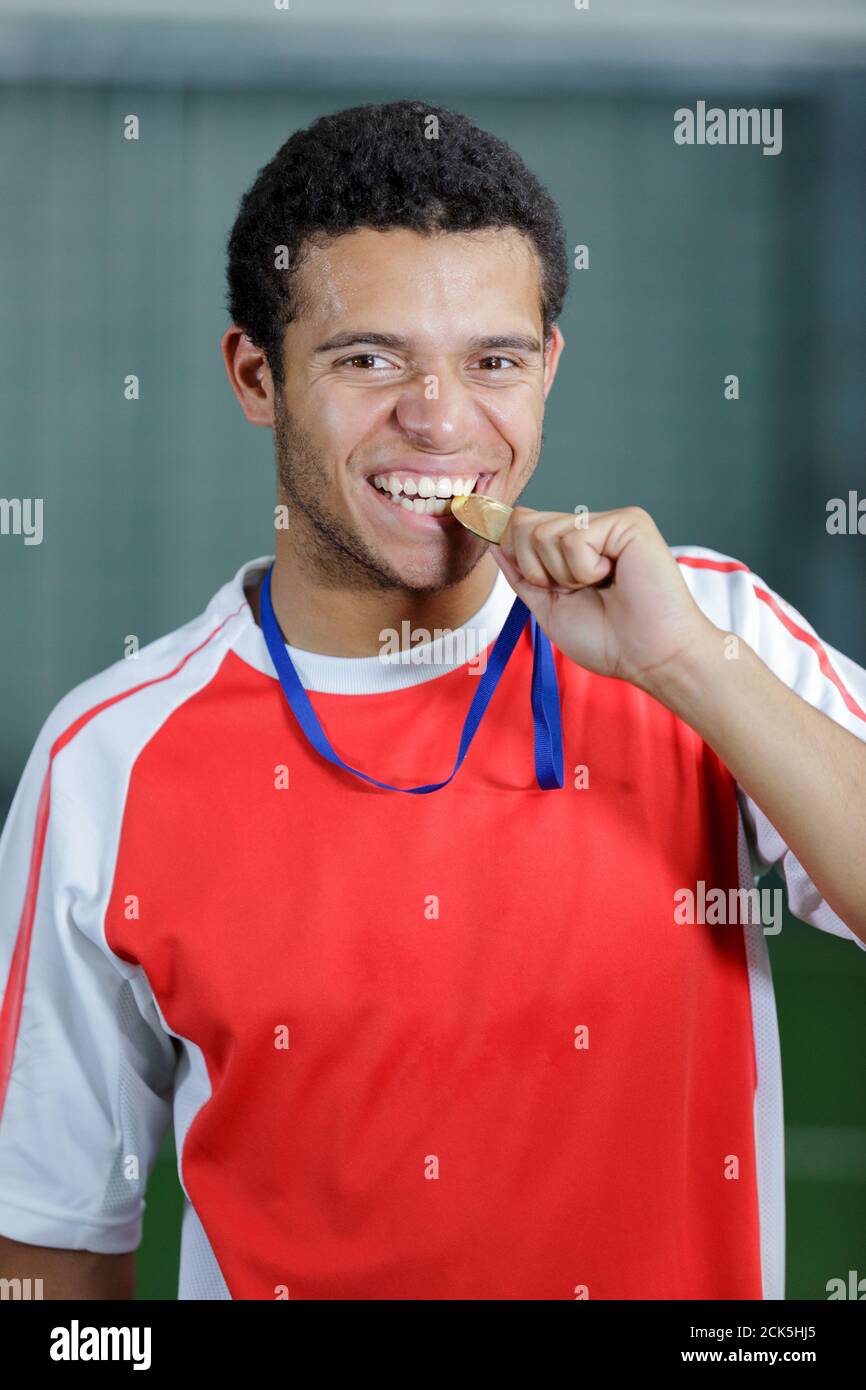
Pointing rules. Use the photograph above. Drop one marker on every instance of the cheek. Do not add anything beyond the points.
(517, 419)
(346, 418)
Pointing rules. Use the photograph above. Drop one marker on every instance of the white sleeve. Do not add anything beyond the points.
(740, 602)
(86, 1071)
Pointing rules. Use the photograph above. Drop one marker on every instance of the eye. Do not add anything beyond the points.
(363, 360)
(499, 360)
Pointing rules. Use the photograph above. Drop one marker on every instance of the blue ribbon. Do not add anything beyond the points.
(546, 715)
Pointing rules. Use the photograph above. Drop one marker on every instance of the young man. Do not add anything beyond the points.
(496, 1039)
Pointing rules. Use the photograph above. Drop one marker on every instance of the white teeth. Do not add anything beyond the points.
(423, 494)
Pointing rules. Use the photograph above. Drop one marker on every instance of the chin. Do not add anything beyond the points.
(434, 578)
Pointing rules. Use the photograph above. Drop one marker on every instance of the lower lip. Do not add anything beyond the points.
(423, 521)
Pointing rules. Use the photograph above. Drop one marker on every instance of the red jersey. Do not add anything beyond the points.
(465, 1045)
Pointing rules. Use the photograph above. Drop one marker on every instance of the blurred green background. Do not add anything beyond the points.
(703, 262)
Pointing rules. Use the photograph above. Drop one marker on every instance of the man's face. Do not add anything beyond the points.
(416, 361)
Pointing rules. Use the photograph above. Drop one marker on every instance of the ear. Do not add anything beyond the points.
(250, 376)
(553, 346)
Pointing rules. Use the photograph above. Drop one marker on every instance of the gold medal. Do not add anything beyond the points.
(484, 516)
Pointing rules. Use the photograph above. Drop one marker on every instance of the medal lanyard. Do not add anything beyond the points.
(546, 714)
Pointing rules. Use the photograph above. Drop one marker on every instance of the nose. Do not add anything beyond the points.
(435, 413)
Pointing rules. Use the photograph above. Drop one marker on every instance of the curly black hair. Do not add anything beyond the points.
(374, 166)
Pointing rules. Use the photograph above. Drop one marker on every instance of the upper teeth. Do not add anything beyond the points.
(424, 487)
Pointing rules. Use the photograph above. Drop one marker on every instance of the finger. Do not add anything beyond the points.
(522, 548)
(538, 600)
(547, 539)
(532, 594)
(520, 519)
(584, 562)
(610, 532)
(549, 549)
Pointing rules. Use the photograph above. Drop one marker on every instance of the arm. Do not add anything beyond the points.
(608, 591)
(86, 1070)
(73, 1274)
(806, 772)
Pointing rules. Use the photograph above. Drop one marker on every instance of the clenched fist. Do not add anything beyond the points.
(606, 589)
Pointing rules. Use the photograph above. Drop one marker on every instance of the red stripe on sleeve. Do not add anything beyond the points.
(812, 641)
(726, 566)
(13, 998)
(699, 562)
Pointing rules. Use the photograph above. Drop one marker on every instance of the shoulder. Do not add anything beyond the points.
(724, 587)
(93, 735)
(739, 601)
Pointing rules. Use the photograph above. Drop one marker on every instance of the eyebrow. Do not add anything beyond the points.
(516, 341)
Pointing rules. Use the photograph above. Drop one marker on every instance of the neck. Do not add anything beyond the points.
(345, 621)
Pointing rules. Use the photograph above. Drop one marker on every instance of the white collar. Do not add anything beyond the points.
(362, 675)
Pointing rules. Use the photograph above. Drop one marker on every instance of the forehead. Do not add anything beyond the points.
(445, 280)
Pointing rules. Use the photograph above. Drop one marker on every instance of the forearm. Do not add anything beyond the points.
(68, 1274)
(806, 772)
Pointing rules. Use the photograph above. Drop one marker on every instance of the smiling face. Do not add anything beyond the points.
(415, 369)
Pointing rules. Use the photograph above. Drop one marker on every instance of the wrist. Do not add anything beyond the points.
(697, 674)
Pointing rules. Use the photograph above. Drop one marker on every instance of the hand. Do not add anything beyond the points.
(639, 626)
